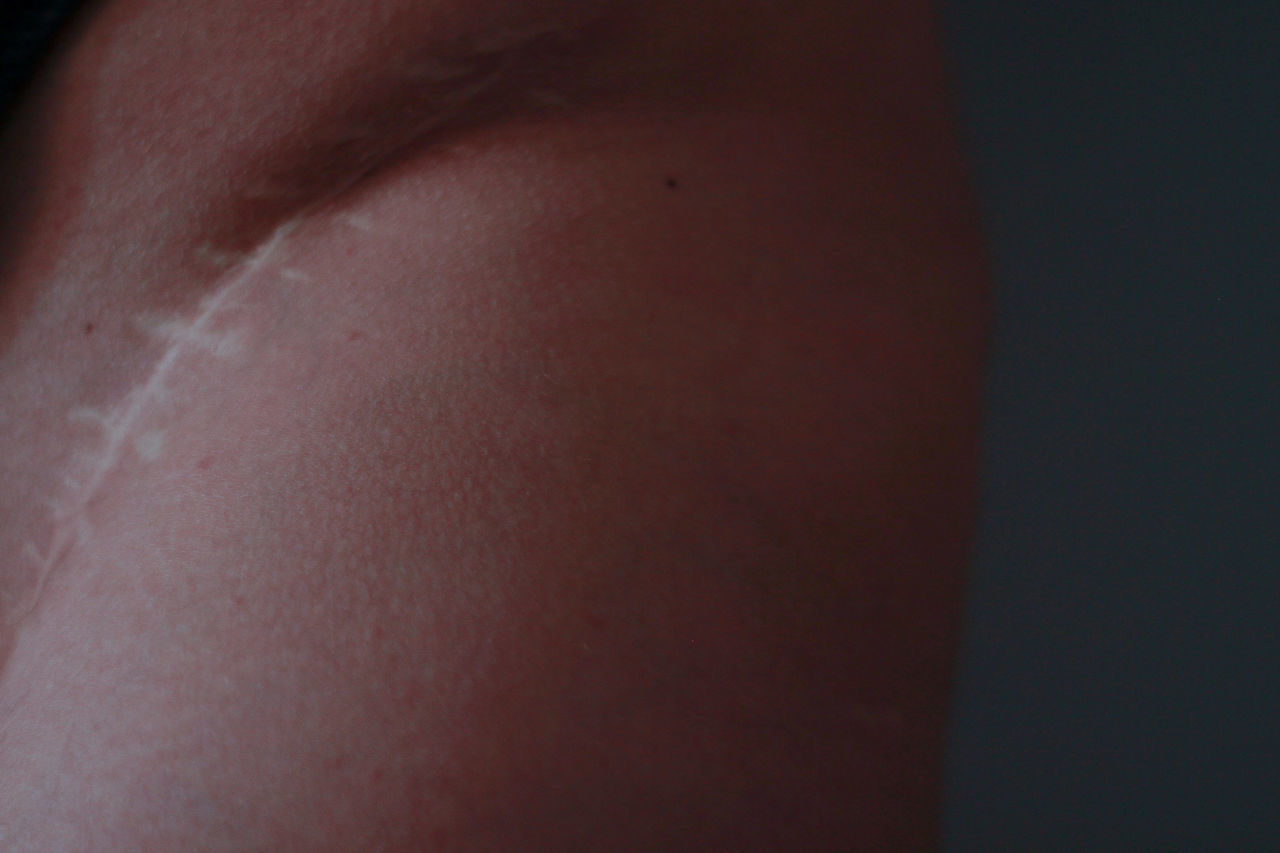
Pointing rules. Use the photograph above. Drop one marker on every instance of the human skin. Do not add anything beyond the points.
(484, 426)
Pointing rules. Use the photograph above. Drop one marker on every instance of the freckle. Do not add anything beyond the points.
(88, 328)
(671, 183)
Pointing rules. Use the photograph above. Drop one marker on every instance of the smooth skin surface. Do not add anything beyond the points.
(484, 426)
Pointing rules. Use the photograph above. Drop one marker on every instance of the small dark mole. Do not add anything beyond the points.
(88, 328)
(671, 183)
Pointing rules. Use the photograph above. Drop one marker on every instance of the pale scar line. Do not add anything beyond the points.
(179, 332)
(218, 257)
(71, 526)
(358, 221)
(149, 445)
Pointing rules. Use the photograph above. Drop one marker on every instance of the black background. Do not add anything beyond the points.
(1120, 682)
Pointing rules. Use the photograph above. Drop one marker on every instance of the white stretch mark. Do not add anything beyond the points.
(149, 445)
(222, 346)
(84, 530)
(88, 415)
(118, 426)
(358, 221)
(218, 257)
(178, 333)
(294, 274)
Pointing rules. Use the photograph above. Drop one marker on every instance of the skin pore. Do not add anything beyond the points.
(484, 426)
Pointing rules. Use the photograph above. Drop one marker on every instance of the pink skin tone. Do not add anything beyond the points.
(584, 459)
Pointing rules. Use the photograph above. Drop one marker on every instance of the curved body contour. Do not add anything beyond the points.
(483, 426)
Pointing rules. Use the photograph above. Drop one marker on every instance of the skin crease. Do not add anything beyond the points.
(484, 426)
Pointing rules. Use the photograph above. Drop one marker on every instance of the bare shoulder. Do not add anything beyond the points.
(485, 426)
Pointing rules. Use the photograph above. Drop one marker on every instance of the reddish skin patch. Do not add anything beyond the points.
(88, 328)
(205, 464)
(354, 336)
